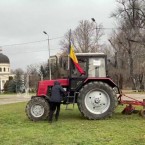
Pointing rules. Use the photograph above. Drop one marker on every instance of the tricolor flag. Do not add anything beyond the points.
(75, 60)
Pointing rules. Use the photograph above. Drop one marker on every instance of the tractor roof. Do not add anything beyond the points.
(90, 54)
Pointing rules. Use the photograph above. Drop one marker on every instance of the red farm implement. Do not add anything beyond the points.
(130, 101)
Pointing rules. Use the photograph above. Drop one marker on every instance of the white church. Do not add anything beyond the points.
(5, 70)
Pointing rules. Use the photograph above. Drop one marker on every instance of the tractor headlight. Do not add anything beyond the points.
(116, 90)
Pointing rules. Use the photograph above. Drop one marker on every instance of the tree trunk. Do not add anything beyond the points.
(120, 81)
(131, 70)
(141, 84)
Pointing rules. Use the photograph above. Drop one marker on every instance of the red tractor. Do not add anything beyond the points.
(93, 91)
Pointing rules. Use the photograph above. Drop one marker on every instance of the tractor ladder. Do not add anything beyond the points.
(70, 100)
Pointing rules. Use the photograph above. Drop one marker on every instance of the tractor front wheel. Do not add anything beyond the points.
(96, 100)
(37, 109)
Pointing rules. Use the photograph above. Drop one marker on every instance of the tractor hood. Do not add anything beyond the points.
(63, 82)
(43, 85)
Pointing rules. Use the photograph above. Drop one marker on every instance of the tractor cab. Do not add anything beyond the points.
(93, 64)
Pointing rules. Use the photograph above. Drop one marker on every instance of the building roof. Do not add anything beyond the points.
(4, 58)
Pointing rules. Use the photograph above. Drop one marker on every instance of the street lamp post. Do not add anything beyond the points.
(49, 56)
(95, 26)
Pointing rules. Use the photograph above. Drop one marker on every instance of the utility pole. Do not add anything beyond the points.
(49, 55)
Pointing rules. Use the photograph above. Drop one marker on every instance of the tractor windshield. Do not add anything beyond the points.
(83, 65)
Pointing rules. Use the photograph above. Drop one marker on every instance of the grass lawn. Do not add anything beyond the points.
(71, 129)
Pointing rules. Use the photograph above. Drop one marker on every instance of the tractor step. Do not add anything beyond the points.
(70, 100)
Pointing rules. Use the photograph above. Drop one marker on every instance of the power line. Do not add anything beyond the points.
(29, 52)
(107, 28)
(56, 38)
(116, 28)
(25, 43)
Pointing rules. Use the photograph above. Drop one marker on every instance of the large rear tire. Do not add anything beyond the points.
(37, 109)
(96, 100)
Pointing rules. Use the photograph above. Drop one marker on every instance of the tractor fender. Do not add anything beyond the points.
(104, 80)
(43, 96)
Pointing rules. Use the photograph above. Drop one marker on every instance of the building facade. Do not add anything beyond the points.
(5, 70)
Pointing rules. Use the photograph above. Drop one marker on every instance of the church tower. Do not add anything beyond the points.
(5, 71)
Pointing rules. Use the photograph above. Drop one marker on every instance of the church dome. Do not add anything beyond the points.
(4, 58)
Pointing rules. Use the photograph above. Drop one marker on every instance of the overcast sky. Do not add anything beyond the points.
(24, 21)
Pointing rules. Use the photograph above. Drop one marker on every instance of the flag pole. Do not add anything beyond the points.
(69, 49)
(69, 61)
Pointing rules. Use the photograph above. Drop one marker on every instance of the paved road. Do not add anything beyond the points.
(139, 97)
(8, 99)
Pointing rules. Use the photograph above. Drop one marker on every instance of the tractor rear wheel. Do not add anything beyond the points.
(37, 109)
(96, 100)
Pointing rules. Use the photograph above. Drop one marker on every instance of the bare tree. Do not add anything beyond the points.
(117, 62)
(33, 75)
(85, 37)
(130, 14)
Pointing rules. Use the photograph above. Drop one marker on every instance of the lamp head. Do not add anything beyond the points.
(44, 32)
(93, 19)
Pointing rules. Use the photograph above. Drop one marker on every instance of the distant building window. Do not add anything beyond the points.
(4, 69)
(0, 69)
